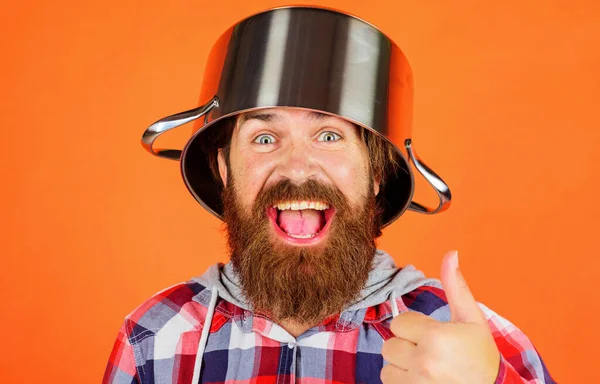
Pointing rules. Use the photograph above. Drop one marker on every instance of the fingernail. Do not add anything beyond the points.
(456, 259)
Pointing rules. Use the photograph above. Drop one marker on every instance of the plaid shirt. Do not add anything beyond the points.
(159, 341)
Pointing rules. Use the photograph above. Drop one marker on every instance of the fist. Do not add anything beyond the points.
(425, 350)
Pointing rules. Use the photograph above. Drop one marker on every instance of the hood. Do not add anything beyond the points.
(384, 278)
(385, 282)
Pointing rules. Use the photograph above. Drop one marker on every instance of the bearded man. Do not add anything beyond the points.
(307, 296)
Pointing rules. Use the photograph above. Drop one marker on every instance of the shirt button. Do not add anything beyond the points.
(291, 345)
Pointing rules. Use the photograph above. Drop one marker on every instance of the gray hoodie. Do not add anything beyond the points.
(384, 279)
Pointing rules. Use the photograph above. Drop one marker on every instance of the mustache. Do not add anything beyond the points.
(310, 190)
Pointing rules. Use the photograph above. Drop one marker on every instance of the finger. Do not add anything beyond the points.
(399, 352)
(411, 326)
(463, 306)
(394, 375)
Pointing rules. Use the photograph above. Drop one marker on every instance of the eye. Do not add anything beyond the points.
(329, 136)
(264, 139)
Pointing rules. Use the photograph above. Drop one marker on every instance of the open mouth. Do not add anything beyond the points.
(301, 222)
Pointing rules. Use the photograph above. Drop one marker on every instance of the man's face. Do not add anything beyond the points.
(271, 145)
(299, 204)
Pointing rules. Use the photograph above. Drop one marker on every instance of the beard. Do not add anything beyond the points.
(301, 284)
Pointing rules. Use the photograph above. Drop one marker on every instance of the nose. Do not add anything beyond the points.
(297, 163)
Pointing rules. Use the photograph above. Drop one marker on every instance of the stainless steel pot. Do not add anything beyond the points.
(304, 57)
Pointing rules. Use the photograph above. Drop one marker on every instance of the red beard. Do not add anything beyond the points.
(304, 284)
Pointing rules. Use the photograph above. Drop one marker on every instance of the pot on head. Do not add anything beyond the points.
(312, 58)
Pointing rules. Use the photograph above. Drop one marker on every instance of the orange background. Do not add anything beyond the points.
(506, 110)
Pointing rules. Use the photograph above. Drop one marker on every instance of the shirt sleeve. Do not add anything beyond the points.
(520, 362)
(121, 367)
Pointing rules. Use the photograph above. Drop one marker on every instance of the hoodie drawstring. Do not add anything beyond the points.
(394, 303)
(204, 338)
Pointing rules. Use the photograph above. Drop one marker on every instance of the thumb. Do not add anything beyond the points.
(463, 306)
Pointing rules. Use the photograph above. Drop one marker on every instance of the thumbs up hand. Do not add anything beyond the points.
(428, 351)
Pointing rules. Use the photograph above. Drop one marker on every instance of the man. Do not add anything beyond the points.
(297, 154)
(306, 295)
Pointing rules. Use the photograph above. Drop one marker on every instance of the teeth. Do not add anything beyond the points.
(302, 236)
(297, 205)
(282, 206)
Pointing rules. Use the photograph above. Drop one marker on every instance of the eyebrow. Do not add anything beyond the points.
(268, 117)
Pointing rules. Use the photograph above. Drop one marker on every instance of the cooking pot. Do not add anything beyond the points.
(313, 58)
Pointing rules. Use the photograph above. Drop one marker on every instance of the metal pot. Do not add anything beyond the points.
(312, 58)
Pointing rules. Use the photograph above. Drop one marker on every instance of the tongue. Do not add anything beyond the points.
(302, 222)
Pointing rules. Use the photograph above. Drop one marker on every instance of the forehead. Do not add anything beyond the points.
(283, 115)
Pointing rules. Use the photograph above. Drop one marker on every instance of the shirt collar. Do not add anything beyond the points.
(248, 321)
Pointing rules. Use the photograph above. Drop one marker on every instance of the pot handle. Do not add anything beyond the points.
(440, 187)
(165, 124)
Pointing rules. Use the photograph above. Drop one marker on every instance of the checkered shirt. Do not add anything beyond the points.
(158, 343)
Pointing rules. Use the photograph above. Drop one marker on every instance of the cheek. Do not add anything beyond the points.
(251, 177)
(348, 172)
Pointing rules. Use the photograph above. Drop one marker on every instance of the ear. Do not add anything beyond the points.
(376, 183)
(222, 166)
